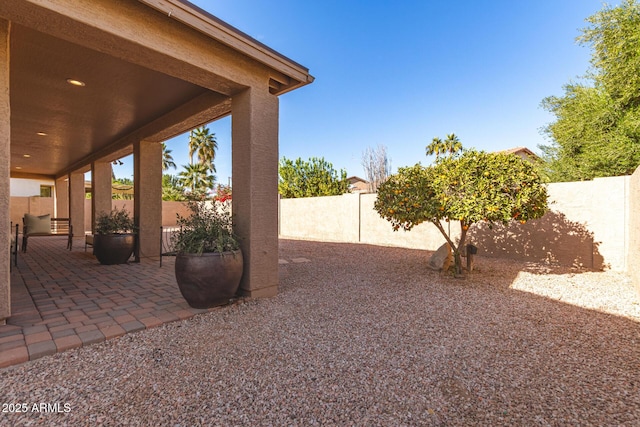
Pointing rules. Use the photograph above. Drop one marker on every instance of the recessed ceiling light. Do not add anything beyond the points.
(75, 82)
(18, 167)
(41, 134)
(26, 155)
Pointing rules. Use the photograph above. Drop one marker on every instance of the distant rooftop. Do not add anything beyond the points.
(523, 152)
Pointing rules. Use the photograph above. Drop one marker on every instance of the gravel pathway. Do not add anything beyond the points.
(365, 336)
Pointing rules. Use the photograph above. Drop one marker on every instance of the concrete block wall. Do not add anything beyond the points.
(633, 253)
(329, 218)
(599, 208)
(377, 231)
(586, 226)
(35, 205)
(169, 210)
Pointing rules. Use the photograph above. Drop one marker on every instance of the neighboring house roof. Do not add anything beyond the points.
(523, 152)
(354, 179)
(358, 185)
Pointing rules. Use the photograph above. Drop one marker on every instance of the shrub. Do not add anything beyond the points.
(208, 228)
(117, 221)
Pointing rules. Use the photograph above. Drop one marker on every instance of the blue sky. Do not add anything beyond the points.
(399, 73)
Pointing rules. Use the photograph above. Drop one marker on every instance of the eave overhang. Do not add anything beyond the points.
(287, 74)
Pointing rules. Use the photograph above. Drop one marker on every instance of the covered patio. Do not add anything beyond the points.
(84, 84)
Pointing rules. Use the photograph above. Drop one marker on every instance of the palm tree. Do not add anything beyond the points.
(197, 178)
(436, 147)
(172, 188)
(451, 146)
(204, 144)
(167, 158)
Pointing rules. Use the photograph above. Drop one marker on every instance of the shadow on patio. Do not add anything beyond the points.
(62, 300)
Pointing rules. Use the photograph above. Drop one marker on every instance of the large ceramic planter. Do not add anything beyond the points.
(113, 248)
(209, 279)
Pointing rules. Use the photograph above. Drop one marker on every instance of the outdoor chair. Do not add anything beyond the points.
(45, 226)
(14, 247)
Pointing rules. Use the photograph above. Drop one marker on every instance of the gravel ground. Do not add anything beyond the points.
(365, 336)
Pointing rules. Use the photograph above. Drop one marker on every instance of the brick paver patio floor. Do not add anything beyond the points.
(65, 299)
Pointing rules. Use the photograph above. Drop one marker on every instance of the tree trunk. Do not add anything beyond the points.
(458, 262)
(457, 258)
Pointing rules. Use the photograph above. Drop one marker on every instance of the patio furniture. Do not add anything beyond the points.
(45, 226)
(166, 244)
(14, 247)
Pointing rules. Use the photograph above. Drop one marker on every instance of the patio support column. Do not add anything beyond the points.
(62, 197)
(5, 165)
(76, 204)
(254, 115)
(147, 196)
(101, 190)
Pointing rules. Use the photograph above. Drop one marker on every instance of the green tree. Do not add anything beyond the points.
(596, 131)
(123, 181)
(172, 188)
(614, 36)
(204, 144)
(121, 188)
(197, 178)
(167, 158)
(470, 188)
(310, 179)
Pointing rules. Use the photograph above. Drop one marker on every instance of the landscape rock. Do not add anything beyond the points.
(441, 259)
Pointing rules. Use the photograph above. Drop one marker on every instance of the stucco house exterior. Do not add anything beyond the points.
(83, 83)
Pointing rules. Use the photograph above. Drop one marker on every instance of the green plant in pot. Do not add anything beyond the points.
(209, 262)
(114, 240)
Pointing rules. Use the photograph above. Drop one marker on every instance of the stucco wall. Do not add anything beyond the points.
(377, 231)
(32, 205)
(330, 218)
(586, 226)
(44, 205)
(21, 187)
(633, 254)
(169, 210)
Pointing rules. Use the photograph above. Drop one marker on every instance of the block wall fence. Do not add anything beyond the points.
(633, 253)
(591, 224)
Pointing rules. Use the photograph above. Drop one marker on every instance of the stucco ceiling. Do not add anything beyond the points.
(118, 97)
